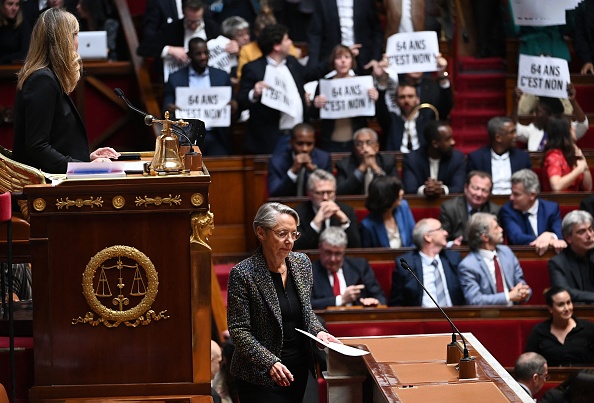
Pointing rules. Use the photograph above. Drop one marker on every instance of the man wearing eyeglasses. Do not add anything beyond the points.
(434, 265)
(339, 280)
(323, 211)
(531, 372)
(356, 171)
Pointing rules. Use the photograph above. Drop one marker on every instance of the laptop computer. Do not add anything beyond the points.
(92, 45)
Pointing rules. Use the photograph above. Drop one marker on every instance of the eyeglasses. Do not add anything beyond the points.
(321, 193)
(546, 376)
(436, 229)
(361, 143)
(284, 234)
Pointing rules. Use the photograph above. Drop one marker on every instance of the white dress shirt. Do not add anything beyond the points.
(501, 173)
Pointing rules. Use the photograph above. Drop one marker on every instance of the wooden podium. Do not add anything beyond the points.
(121, 287)
(413, 368)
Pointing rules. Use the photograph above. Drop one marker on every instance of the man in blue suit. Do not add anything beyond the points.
(433, 264)
(199, 75)
(491, 274)
(339, 280)
(500, 158)
(529, 220)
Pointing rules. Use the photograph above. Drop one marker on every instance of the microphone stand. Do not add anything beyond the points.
(466, 363)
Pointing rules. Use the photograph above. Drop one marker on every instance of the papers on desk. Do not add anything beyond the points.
(339, 348)
(95, 170)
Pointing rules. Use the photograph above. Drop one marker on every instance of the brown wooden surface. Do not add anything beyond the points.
(169, 356)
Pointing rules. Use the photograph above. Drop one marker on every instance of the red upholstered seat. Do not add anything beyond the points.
(536, 275)
(383, 274)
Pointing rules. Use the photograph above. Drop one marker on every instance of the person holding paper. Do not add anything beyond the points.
(48, 131)
(337, 134)
(564, 167)
(271, 299)
(199, 75)
(238, 31)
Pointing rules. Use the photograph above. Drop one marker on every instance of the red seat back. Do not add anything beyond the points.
(383, 274)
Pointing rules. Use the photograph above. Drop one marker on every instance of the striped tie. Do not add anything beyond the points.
(439, 288)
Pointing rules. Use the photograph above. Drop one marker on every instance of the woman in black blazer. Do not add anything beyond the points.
(48, 131)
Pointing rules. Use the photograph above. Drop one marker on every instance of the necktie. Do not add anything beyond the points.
(368, 179)
(301, 182)
(336, 285)
(472, 211)
(498, 276)
(439, 288)
(529, 229)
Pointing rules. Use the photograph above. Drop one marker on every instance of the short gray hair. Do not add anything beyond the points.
(476, 227)
(267, 214)
(528, 178)
(334, 236)
(528, 364)
(365, 130)
(573, 218)
(419, 231)
(319, 175)
(231, 25)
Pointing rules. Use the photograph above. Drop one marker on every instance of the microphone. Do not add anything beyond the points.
(455, 330)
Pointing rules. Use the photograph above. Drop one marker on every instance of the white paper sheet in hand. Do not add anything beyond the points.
(339, 348)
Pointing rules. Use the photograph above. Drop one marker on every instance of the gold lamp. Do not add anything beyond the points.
(166, 159)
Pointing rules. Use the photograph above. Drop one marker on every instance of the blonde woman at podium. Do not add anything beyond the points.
(269, 298)
(48, 131)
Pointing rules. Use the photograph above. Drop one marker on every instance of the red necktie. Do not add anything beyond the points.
(336, 285)
(498, 277)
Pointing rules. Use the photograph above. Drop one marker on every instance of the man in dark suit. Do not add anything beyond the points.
(573, 268)
(322, 211)
(269, 128)
(500, 159)
(363, 35)
(528, 219)
(433, 264)
(339, 280)
(158, 13)
(289, 170)
(356, 171)
(454, 213)
(218, 140)
(491, 274)
(437, 168)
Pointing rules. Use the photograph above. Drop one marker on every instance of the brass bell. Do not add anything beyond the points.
(167, 158)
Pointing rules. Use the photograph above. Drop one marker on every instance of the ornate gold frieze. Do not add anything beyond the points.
(98, 202)
(197, 199)
(157, 201)
(118, 202)
(202, 227)
(116, 265)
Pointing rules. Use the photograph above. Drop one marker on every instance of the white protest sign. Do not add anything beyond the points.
(219, 58)
(347, 97)
(170, 66)
(210, 105)
(546, 76)
(412, 52)
(278, 94)
(539, 12)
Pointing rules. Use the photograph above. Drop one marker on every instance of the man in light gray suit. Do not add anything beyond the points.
(491, 273)
(454, 213)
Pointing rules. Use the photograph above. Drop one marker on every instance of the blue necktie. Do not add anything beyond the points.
(439, 288)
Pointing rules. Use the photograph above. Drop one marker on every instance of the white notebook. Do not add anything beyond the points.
(92, 45)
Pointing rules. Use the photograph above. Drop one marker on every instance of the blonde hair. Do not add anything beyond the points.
(52, 46)
(17, 21)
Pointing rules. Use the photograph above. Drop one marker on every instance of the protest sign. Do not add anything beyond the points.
(412, 52)
(281, 93)
(219, 58)
(545, 76)
(210, 105)
(347, 97)
(170, 66)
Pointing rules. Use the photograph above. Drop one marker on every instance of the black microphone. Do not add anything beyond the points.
(120, 94)
(455, 330)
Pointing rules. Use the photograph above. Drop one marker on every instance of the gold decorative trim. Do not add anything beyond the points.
(202, 227)
(118, 202)
(98, 202)
(157, 201)
(141, 314)
(197, 199)
(39, 204)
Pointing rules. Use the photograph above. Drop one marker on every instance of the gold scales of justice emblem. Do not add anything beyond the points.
(118, 265)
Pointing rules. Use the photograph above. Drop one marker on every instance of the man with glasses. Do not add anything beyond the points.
(322, 211)
(339, 280)
(454, 213)
(573, 268)
(531, 372)
(434, 265)
(356, 171)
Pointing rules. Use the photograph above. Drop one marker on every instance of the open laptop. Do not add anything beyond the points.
(92, 45)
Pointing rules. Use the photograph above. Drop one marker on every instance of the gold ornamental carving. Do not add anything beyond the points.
(157, 201)
(93, 202)
(118, 202)
(202, 227)
(197, 199)
(116, 267)
(39, 204)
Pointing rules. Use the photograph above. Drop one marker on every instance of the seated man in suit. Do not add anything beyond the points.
(433, 264)
(500, 158)
(199, 75)
(454, 213)
(355, 172)
(288, 170)
(531, 372)
(322, 211)
(437, 168)
(491, 274)
(573, 268)
(339, 280)
(528, 219)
